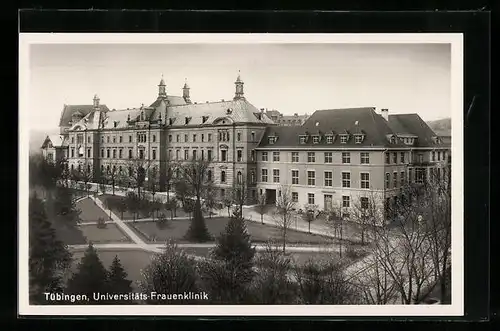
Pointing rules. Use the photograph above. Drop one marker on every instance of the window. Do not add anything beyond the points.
(311, 178)
(121, 139)
(114, 139)
(252, 155)
(315, 139)
(329, 139)
(387, 158)
(130, 171)
(402, 178)
(88, 152)
(239, 155)
(186, 154)
(209, 155)
(310, 198)
(202, 137)
(420, 176)
(108, 153)
(195, 154)
(141, 154)
(302, 139)
(252, 177)
(365, 180)
(186, 138)
(264, 156)
(88, 139)
(72, 152)
(295, 197)
(346, 201)
(276, 175)
(295, 177)
(203, 154)
(209, 138)
(114, 153)
(102, 152)
(358, 139)
(102, 139)
(154, 154)
(222, 176)
(194, 138)
(276, 156)
(346, 157)
(387, 180)
(223, 155)
(402, 157)
(364, 157)
(364, 203)
(177, 138)
(107, 139)
(438, 173)
(154, 138)
(346, 179)
(177, 154)
(130, 153)
(420, 158)
(295, 156)
(271, 140)
(439, 156)
(79, 138)
(238, 136)
(395, 158)
(311, 157)
(209, 175)
(263, 175)
(328, 178)
(343, 139)
(129, 139)
(328, 157)
(253, 136)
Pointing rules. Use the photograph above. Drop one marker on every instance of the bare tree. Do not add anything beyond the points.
(365, 214)
(84, 174)
(262, 206)
(171, 167)
(138, 169)
(112, 176)
(228, 201)
(240, 195)
(336, 217)
(285, 212)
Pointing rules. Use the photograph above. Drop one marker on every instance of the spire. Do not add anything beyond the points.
(239, 88)
(185, 91)
(96, 101)
(162, 93)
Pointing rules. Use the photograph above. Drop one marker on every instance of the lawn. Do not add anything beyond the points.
(129, 216)
(258, 232)
(90, 212)
(110, 234)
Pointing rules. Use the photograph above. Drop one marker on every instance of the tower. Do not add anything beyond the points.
(239, 88)
(185, 92)
(162, 89)
(96, 102)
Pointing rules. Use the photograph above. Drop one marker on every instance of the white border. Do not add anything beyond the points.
(455, 309)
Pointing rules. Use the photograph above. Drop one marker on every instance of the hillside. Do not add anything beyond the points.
(441, 127)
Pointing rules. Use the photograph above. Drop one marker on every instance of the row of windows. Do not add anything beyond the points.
(311, 178)
(141, 137)
(195, 155)
(438, 154)
(224, 135)
(328, 201)
(364, 157)
(140, 153)
(344, 138)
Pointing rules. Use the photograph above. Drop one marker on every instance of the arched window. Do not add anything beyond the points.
(209, 175)
(223, 177)
(239, 177)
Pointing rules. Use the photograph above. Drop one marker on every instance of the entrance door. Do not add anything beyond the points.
(328, 202)
(270, 196)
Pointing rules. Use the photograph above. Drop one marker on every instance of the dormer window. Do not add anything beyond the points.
(229, 111)
(329, 139)
(302, 139)
(316, 139)
(115, 124)
(204, 119)
(344, 138)
(393, 140)
(272, 139)
(170, 121)
(358, 139)
(187, 119)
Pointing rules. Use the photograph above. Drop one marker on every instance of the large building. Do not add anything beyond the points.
(335, 157)
(286, 120)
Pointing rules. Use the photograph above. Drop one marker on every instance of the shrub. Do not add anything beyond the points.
(101, 223)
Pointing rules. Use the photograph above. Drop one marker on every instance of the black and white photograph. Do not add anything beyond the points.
(241, 174)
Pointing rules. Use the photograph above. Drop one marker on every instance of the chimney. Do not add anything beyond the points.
(385, 113)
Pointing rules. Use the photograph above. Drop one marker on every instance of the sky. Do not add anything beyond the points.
(291, 78)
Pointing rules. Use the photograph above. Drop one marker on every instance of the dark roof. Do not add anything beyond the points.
(69, 110)
(415, 125)
(173, 100)
(352, 120)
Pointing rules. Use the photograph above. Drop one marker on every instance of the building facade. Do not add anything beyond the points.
(335, 157)
(286, 120)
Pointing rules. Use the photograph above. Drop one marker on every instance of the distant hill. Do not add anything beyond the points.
(441, 127)
(37, 137)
